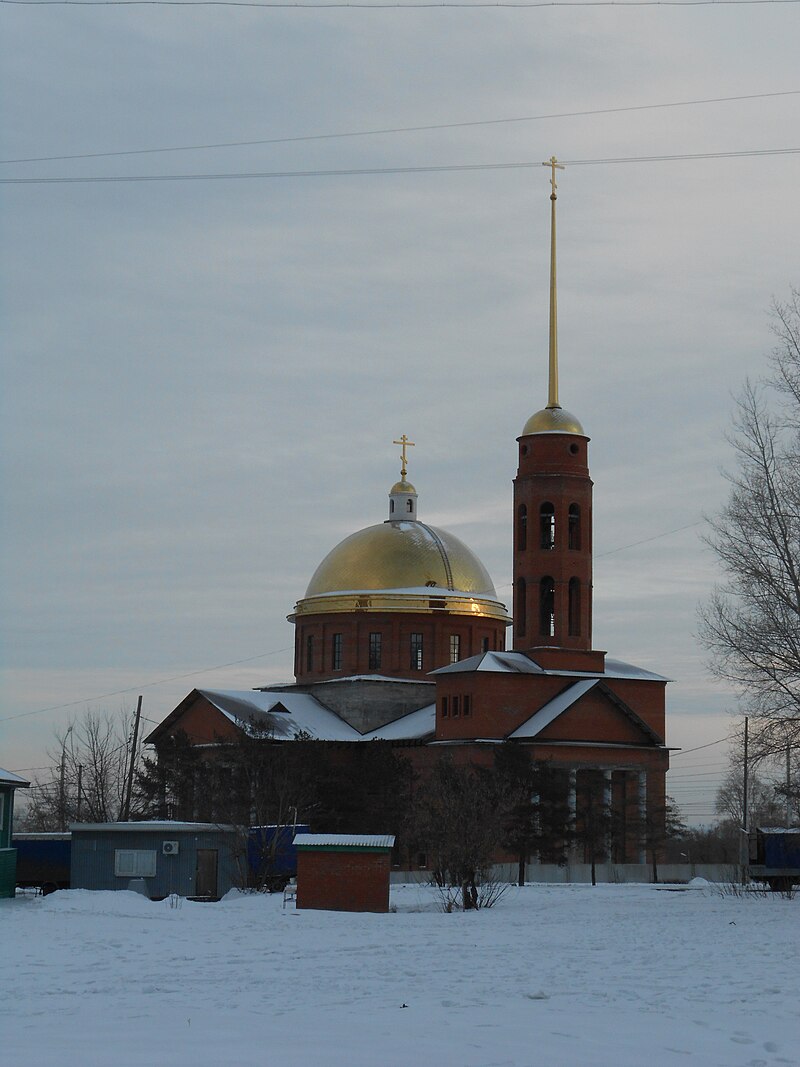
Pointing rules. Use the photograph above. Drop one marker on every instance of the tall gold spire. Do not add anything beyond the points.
(552, 393)
(404, 441)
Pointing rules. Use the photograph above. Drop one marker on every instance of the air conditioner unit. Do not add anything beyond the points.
(169, 848)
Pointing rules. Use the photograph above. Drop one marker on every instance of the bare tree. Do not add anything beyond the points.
(86, 778)
(751, 626)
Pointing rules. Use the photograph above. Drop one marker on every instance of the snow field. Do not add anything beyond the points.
(557, 976)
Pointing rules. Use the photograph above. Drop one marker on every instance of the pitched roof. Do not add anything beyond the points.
(519, 663)
(571, 695)
(411, 727)
(285, 715)
(9, 778)
(344, 840)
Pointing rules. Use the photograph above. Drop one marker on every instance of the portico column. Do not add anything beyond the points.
(607, 812)
(642, 816)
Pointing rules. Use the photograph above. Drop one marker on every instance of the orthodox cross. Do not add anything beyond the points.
(404, 441)
(554, 165)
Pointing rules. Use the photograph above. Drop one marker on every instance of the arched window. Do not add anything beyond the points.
(547, 607)
(391, 506)
(547, 525)
(522, 527)
(574, 607)
(409, 505)
(574, 527)
(521, 620)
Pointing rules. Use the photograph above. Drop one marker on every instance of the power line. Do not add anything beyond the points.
(145, 685)
(403, 129)
(646, 540)
(686, 751)
(390, 6)
(371, 171)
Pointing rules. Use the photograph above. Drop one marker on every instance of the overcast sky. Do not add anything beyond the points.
(203, 378)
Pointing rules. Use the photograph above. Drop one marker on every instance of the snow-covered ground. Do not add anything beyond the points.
(556, 976)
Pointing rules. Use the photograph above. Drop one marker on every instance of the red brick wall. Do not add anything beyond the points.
(396, 629)
(343, 881)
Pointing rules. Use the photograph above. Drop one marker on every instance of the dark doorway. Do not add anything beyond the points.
(205, 882)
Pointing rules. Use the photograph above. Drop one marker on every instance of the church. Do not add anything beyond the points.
(401, 637)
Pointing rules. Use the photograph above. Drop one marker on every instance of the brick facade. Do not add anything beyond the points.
(343, 880)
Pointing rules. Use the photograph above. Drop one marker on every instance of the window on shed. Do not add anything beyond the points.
(547, 525)
(134, 863)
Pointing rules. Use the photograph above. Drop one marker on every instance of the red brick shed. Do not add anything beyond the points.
(343, 872)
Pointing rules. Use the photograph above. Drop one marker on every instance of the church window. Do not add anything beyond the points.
(409, 505)
(547, 607)
(456, 708)
(391, 507)
(521, 620)
(574, 607)
(574, 527)
(336, 652)
(466, 705)
(416, 652)
(375, 641)
(310, 652)
(455, 648)
(522, 528)
(484, 644)
(547, 526)
(445, 711)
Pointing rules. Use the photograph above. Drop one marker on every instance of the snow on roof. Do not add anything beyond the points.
(150, 826)
(344, 840)
(496, 662)
(519, 663)
(544, 716)
(375, 678)
(9, 778)
(415, 725)
(285, 715)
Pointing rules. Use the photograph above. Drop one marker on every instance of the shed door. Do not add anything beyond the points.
(205, 882)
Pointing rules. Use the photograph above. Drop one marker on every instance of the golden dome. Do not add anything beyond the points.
(402, 487)
(552, 420)
(402, 566)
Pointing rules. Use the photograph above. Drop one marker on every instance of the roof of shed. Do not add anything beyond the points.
(9, 778)
(344, 841)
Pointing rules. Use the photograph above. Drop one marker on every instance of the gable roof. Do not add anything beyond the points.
(411, 727)
(564, 700)
(285, 715)
(14, 780)
(519, 663)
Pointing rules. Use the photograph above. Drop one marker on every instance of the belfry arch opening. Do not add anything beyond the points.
(574, 527)
(547, 526)
(574, 608)
(522, 527)
(547, 607)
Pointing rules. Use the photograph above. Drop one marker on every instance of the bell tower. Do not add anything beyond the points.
(553, 520)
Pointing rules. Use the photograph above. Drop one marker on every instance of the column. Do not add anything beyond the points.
(642, 816)
(608, 814)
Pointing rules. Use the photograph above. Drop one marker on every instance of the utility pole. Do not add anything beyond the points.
(744, 782)
(788, 785)
(126, 807)
(80, 781)
(62, 796)
(744, 846)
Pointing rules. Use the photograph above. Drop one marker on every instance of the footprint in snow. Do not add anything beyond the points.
(541, 995)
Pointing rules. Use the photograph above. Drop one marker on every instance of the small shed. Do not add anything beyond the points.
(192, 859)
(9, 783)
(343, 872)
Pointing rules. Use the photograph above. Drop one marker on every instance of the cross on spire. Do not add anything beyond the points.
(554, 165)
(404, 441)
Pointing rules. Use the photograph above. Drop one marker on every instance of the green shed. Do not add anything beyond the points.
(8, 855)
